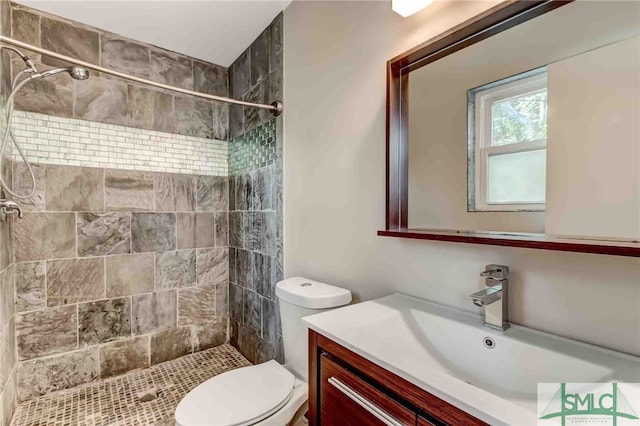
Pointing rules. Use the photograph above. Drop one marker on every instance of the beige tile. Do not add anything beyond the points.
(7, 292)
(46, 332)
(153, 232)
(75, 280)
(210, 334)
(128, 190)
(74, 188)
(175, 192)
(154, 311)
(9, 398)
(129, 274)
(103, 233)
(7, 353)
(212, 265)
(40, 236)
(196, 305)
(171, 344)
(123, 356)
(195, 230)
(175, 269)
(42, 376)
(104, 321)
(22, 184)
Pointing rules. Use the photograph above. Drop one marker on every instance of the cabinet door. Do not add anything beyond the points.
(346, 399)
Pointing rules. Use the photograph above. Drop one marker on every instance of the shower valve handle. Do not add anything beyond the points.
(6, 206)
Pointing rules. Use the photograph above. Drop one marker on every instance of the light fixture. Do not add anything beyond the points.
(406, 8)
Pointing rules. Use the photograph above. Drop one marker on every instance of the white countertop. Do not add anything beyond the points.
(439, 349)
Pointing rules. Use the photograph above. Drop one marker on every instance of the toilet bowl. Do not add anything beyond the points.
(268, 393)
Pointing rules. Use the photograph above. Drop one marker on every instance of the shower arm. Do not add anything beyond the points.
(276, 107)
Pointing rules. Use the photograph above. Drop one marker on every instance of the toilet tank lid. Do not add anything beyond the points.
(312, 294)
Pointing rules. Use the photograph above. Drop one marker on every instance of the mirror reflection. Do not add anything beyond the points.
(532, 130)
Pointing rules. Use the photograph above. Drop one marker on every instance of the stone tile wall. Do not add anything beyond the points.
(106, 99)
(116, 270)
(8, 362)
(57, 140)
(255, 200)
(256, 76)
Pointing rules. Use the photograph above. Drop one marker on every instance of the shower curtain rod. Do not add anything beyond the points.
(275, 107)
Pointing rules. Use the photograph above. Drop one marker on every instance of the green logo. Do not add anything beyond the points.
(564, 404)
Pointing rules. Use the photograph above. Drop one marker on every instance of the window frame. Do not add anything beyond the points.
(481, 100)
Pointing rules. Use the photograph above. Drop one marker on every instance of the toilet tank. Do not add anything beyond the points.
(299, 297)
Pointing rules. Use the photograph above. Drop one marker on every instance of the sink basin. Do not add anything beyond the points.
(492, 375)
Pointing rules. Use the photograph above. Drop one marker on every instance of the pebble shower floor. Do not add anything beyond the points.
(144, 397)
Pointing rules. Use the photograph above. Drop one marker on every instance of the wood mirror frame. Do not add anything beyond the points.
(493, 21)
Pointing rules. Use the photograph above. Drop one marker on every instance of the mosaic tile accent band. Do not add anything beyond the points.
(253, 150)
(47, 139)
(145, 397)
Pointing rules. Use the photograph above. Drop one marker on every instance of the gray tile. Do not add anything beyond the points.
(25, 26)
(210, 334)
(269, 223)
(253, 231)
(240, 75)
(100, 99)
(231, 183)
(265, 351)
(252, 311)
(153, 312)
(196, 305)
(129, 274)
(172, 69)
(7, 292)
(46, 332)
(150, 109)
(103, 233)
(7, 249)
(123, 356)
(171, 344)
(74, 188)
(211, 79)
(274, 86)
(68, 40)
(22, 185)
(271, 327)
(125, 56)
(30, 286)
(9, 398)
(236, 229)
(232, 264)
(7, 354)
(194, 117)
(213, 193)
(45, 236)
(244, 272)
(260, 57)
(275, 48)
(128, 190)
(153, 232)
(261, 266)
(248, 340)
(212, 266)
(175, 192)
(244, 193)
(253, 117)
(261, 189)
(42, 376)
(222, 229)
(220, 125)
(52, 95)
(236, 302)
(75, 280)
(175, 269)
(195, 230)
(104, 321)
(222, 299)
(236, 120)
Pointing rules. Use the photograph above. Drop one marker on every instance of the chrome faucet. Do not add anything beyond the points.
(494, 297)
(7, 206)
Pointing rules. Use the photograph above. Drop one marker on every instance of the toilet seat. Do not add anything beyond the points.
(244, 396)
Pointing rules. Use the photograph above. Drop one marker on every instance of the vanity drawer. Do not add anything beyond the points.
(346, 399)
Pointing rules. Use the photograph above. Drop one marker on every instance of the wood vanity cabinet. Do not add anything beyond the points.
(345, 389)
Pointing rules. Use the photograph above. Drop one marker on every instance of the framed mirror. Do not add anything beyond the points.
(520, 128)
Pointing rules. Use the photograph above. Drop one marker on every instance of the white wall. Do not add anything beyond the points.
(593, 147)
(334, 180)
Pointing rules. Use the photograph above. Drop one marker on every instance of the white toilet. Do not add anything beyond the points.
(268, 393)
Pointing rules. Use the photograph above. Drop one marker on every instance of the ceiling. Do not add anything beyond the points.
(211, 30)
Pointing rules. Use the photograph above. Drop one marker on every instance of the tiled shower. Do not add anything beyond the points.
(156, 227)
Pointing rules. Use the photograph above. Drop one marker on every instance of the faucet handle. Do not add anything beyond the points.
(499, 272)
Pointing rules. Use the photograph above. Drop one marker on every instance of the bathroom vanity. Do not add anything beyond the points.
(347, 389)
(400, 360)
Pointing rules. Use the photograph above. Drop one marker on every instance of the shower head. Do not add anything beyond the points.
(76, 72)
